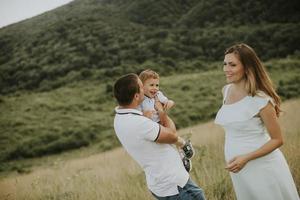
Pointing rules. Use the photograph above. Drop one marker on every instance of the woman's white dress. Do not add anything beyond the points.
(267, 177)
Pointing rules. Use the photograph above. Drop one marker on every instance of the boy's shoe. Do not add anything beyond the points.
(188, 149)
(187, 163)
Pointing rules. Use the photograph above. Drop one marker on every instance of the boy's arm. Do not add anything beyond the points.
(164, 100)
(161, 97)
(169, 104)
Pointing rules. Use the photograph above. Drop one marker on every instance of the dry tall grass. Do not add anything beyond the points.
(115, 176)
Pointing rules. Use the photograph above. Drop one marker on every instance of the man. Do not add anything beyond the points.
(149, 143)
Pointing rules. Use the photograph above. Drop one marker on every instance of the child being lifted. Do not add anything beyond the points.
(150, 80)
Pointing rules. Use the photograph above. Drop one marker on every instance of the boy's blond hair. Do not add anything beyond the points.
(147, 74)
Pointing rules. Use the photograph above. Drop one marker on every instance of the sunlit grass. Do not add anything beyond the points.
(114, 175)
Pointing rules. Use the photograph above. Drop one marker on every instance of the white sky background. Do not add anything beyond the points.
(12, 11)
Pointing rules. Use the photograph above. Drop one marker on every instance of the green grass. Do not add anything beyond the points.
(34, 124)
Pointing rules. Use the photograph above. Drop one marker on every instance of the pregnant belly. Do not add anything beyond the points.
(237, 143)
(233, 149)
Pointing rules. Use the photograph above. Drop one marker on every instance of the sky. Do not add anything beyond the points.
(12, 11)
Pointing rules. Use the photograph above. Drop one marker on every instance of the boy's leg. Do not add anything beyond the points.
(180, 143)
(185, 148)
(191, 191)
(187, 163)
(188, 149)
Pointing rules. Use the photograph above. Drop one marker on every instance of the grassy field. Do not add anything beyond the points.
(113, 175)
(34, 124)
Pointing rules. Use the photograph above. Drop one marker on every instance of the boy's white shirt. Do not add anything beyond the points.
(148, 105)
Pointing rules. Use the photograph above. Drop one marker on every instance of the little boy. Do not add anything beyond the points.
(150, 81)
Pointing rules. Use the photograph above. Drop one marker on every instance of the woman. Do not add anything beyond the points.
(252, 133)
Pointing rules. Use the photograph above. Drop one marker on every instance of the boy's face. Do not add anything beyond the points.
(151, 86)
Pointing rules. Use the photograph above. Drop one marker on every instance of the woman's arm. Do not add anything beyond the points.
(270, 120)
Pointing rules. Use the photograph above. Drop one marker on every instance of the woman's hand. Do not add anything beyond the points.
(237, 163)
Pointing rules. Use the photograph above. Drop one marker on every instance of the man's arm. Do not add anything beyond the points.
(168, 132)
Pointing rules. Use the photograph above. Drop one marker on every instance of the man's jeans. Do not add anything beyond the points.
(189, 192)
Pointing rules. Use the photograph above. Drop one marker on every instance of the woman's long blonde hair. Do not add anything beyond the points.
(256, 75)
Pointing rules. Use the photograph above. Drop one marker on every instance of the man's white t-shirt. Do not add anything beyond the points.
(161, 162)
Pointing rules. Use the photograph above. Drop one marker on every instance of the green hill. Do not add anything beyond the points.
(89, 39)
(57, 69)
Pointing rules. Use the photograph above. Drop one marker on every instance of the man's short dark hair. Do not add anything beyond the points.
(125, 88)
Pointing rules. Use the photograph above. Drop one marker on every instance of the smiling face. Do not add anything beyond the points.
(151, 87)
(233, 68)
